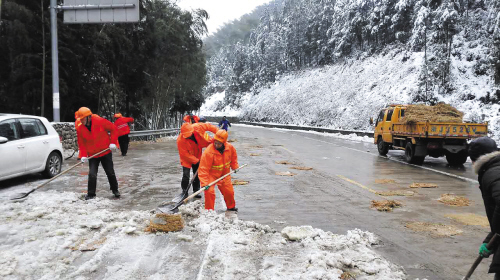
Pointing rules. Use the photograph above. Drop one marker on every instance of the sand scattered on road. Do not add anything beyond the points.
(438, 230)
(285, 173)
(385, 181)
(423, 185)
(301, 168)
(454, 200)
(284, 162)
(396, 193)
(385, 205)
(237, 182)
(165, 223)
(256, 147)
(232, 140)
(254, 155)
(470, 219)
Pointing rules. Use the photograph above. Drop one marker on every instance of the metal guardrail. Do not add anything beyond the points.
(310, 128)
(143, 133)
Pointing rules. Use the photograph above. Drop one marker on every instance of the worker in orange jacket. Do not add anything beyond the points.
(96, 135)
(190, 144)
(218, 160)
(81, 148)
(121, 124)
(191, 119)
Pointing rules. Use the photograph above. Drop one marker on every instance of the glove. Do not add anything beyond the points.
(484, 252)
(206, 187)
(113, 147)
(84, 159)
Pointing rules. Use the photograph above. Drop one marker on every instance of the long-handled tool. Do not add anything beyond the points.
(23, 195)
(479, 259)
(184, 193)
(173, 208)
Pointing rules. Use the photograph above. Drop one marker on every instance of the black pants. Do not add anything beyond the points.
(123, 141)
(107, 164)
(185, 178)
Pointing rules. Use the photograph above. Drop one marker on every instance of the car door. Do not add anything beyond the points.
(13, 152)
(387, 126)
(36, 142)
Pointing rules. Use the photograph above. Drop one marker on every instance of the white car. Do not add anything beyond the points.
(28, 144)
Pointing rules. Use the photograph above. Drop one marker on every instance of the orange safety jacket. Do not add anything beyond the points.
(188, 119)
(81, 148)
(189, 151)
(102, 133)
(213, 164)
(122, 125)
(201, 129)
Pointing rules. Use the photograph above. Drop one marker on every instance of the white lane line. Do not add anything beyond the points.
(395, 160)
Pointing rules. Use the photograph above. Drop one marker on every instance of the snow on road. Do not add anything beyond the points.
(53, 235)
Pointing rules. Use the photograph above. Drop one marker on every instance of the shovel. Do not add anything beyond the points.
(479, 259)
(184, 193)
(175, 207)
(23, 195)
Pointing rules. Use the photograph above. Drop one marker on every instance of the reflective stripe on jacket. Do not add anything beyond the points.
(213, 164)
(122, 125)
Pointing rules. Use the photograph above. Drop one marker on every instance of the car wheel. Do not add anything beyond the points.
(53, 165)
(382, 147)
(410, 155)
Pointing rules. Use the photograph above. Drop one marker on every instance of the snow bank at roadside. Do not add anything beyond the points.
(53, 235)
(44, 234)
(238, 249)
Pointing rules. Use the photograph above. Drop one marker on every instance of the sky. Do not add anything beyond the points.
(221, 11)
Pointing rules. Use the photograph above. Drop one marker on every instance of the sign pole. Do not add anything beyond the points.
(55, 61)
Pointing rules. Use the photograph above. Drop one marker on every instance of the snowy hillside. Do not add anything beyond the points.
(345, 96)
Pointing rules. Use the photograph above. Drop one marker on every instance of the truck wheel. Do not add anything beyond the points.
(383, 148)
(410, 155)
(456, 159)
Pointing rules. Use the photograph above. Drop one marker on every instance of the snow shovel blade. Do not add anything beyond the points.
(184, 193)
(171, 209)
(181, 196)
(22, 195)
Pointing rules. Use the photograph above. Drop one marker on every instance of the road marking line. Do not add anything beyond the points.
(287, 150)
(402, 162)
(356, 183)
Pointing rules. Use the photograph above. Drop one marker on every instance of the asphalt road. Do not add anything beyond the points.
(335, 195)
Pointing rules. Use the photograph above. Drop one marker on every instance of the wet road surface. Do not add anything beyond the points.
(335, 195)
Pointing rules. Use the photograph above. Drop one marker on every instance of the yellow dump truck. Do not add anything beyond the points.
(419, 139)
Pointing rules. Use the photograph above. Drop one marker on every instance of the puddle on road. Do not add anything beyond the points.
(437, 230)
(423, 185)
(470, 219)
(385, 205)
(454, 200)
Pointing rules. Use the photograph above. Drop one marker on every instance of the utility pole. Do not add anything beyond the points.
(55, 61)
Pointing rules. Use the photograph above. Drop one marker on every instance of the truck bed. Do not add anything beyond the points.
(440, 130)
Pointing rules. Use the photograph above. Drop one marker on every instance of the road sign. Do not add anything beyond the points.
(100, 11)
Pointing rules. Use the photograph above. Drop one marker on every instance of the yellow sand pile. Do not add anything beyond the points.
(166, 223)
(396, 193)
(232, 140)
(454, 200)
(348, 276)
(470, 219)
(254, 155)
(385, 205)
(301, 168)
(423, 185)
(239, 182)
(385, 181)
(441, 112)
(438, 230)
